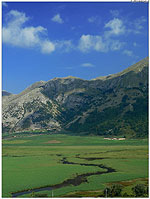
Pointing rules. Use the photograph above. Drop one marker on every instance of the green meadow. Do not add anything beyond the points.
(34, 161)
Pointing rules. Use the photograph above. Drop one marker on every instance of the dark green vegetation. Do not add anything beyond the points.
(139, 190)
(115, 105)
(113, 191)
(33, 160)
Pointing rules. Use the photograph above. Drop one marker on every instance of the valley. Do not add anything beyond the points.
(70, 137)
(65, 165)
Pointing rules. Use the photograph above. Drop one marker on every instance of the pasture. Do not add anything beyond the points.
(60, 161)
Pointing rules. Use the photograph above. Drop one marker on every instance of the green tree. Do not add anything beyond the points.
(116, 190)
(113, 191)
(139, 190)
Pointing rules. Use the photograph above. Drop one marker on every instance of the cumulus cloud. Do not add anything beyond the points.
(115, 26)
(92, 42)
(16, 33)
(106, 41)
(57, 19)
(87, 65)
(98, 43)
(47, 47)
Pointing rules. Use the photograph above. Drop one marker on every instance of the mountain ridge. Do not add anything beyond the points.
(71, 104)
(132, 67)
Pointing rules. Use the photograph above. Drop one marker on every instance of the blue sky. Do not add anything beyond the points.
(45, 40)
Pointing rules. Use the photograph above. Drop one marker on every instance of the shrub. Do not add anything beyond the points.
(114, 190)
(139, 190)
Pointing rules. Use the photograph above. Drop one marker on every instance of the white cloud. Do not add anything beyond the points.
(128, 53)
(92, 42)
(47, 47)
(99, 43)
(88, 65)
(16, 33)
(16, 18)
(116, 27)
(104, 42)
(57, 19)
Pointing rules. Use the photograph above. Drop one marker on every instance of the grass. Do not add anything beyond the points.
(34, 161)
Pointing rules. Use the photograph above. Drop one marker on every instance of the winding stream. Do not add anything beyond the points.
(77, 180)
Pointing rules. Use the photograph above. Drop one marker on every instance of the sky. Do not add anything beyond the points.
(44, 40)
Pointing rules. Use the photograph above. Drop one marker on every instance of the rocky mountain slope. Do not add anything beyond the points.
(112, 105)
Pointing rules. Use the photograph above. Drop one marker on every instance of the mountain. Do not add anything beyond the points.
(5, 93)
(111, 105)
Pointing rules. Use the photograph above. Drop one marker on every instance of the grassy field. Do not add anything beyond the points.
(36, 161)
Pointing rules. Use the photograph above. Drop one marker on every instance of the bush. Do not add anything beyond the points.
(113, 191)
(139, 190)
